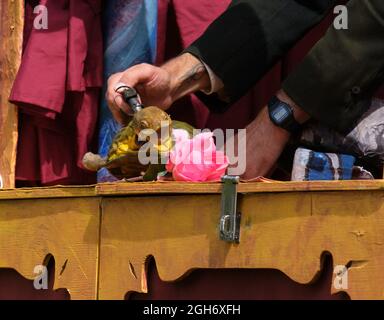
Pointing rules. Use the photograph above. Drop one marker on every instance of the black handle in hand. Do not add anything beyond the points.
(131, 97)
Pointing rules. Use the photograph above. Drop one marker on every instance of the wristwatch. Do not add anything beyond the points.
(281, 114)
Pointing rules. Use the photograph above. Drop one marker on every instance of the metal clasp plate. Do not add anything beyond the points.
(230, 218)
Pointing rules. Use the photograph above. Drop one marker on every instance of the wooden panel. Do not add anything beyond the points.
(285, 231)
(11, 33)
(48, 192)
(113, 189)
(353, 230)
(170, 188)
(68, 229)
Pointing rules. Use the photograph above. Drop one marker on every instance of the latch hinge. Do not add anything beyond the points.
(230, 218)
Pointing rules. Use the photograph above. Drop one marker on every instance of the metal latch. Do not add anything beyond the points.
(230, 218)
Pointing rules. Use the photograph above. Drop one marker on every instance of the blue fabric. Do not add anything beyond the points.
(130, 37)
(320, 167)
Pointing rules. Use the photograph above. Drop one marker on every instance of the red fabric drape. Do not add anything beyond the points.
(57, 89)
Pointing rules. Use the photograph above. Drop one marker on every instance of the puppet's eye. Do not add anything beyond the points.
(144, 124)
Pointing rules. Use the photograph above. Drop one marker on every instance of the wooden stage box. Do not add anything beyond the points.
(101, 236)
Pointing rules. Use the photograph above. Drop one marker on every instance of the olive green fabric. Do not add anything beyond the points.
(336, 80)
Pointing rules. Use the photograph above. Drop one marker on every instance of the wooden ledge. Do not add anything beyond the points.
(163, 188)
(249, 187)
(48, 192)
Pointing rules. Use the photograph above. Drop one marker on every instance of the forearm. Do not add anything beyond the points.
(188, 75)
(243, 43)
(264, 144)
(265, 141)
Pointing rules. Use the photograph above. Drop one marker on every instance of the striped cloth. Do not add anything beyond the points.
(309, 165)
(130, 37)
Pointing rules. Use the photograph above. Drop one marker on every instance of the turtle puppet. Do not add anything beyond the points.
(123, 156)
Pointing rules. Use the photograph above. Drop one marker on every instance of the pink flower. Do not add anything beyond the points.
(197, 159)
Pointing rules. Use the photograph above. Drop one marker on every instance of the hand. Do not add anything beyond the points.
(158, 86)
(152, 83)
(264, 144)
(265, 141)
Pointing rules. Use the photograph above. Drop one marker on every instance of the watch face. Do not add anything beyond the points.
(281, 113)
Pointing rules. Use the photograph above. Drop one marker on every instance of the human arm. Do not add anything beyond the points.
(250, 36)
(158, 86)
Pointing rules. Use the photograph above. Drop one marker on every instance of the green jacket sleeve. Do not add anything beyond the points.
(336, 80)
(251, 36)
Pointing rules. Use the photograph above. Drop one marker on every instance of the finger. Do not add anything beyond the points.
(114, 100)
(134, 77)
(113, 104)
(121, 104)
(138, 74)
(120, 87)
(110, 93)
(117, 114)
(115, 110)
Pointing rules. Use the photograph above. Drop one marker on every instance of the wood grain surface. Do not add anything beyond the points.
(284, 231)
(67, 229)
(11, 38)
(101, 236)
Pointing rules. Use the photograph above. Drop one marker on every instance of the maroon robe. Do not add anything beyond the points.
(57, 90)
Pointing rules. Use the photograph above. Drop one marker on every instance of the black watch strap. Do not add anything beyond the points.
(289, 123)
